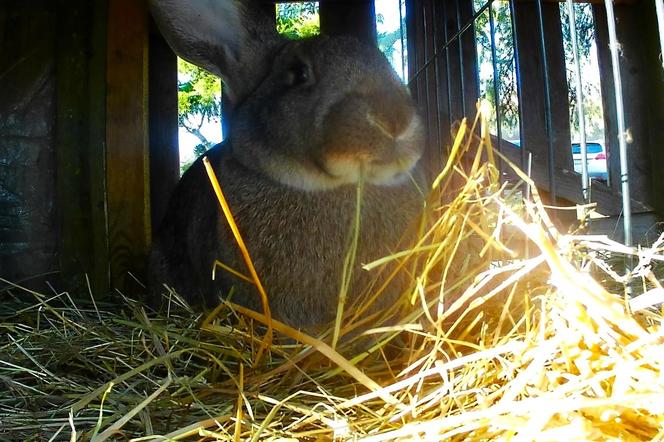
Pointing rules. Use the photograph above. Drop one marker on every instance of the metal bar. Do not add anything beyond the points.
(547, 104)
(462, 81)
(620, 116)
(659, 5)
(519, 93)
(467, 26)
(496, 81)
(585, 183)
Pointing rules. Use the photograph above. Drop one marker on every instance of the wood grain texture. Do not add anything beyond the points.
(163, 104)
(349, 17)
(637, 95)
(532, 100)
(127, 140)
(81, 87)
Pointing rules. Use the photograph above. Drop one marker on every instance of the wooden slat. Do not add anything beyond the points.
(81, 89)
(351, 17)
(127, 139)
(163, 105)
(645, 228)
(447, 74)
(568, 186)
(469, 62)
(637, 93)
(434, 155)
(532, 101)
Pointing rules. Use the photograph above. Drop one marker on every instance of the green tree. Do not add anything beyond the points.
(199, 101)
(505, 65)
(298, 20)
(592, 96)
(391, 40)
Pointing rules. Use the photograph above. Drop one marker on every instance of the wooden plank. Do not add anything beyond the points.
(456, 99)
(532, 101)
(446, 73)
(434, 156)
(127, 140)
(81, 80)
(568, 186)
(636, 93)
(645, 228)
(28, 217)
(163, 105)
(654, 74)
(350, 17)
(468, 59)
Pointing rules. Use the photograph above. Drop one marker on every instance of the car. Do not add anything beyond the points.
(596, 160)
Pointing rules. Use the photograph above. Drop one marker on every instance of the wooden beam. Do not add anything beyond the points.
(349, 17)
(468, 59)
(28, 218)
(654, 97)
(127, 140)
(80, 144)
(163, 105)
(568, 186)
(533, 101)
(637, 87)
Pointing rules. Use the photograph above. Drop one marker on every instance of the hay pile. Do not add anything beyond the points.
(507, 333)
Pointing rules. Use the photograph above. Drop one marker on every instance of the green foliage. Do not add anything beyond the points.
(592, 96)
(298, 20)
(505, 65)
(199, 101)
(387, 43)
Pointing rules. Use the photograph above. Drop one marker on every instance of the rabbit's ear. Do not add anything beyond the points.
(229, 38)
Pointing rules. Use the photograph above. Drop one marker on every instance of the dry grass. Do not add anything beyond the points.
(506, 334)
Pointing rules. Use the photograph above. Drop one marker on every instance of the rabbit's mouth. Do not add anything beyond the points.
(379, 160)
(386, 161)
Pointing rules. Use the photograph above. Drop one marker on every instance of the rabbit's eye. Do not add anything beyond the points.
(299, 74)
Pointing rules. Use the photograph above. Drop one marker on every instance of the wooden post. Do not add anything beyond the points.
(638, 89)
(163, 105)
(532, 103)
(127, 140)
(351, 17)
(80, 144)
(469, 63)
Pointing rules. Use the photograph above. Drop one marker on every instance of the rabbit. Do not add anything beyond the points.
(309, 117)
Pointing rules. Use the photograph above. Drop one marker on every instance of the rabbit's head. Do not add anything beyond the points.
(312, 114)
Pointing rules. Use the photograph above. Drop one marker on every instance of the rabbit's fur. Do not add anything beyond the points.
(309, 117)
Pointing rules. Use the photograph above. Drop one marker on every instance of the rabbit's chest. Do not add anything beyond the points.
(292, 236)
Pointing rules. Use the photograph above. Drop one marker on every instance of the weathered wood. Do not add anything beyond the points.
(445, 75)
(533, 101)
(568, 186)
(645, 228)
(127, 140)
(81, 80)
(468, 60)
(163, 106)
(28, 217)
(637, 88)
(432, 84)
(351, 17)
(654, 97)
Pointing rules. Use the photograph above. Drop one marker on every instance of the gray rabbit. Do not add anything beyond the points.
(308, 118)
